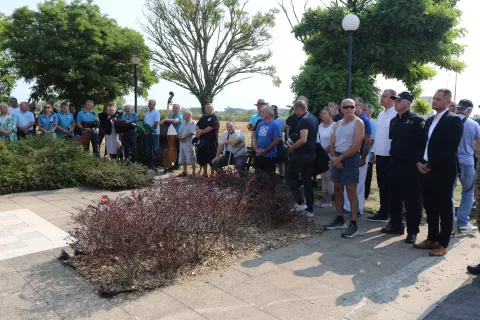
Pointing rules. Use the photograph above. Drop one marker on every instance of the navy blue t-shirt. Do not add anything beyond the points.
(265, 134)
(308, 122)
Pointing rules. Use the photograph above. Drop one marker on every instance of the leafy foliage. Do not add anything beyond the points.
(206, 45)
(145, 237)
(73, 51)
(421, 107)
(42, 163)
(7, 77)
(397, 39)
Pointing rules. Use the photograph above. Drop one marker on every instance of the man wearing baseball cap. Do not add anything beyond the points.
(471, 134)
(407, 148)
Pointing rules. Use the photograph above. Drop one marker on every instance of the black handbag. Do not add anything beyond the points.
(322, 160)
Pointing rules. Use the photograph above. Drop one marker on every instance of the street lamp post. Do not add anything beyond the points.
(135, 61)
(350, 23)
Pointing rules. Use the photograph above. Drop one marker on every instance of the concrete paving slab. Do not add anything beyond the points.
(203, 297)
(254, 291)
(255, 267)
(158, 305)
(239, 313)
(24, 303)
(296, 310)
(10, 281)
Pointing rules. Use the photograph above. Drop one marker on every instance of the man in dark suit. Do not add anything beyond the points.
(443, 133)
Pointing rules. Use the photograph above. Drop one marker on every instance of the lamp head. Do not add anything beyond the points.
(350, 23)
(135, 60)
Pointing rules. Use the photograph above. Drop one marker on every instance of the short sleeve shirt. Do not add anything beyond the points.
(209, 121)
(254, 119)
(373, 124)
(180, 120)
(132, 117)
(238, 149)
(308, 122)
(292, 122)
(186, 128)
(152, 116)
(265, 134)
(24, 118)
(84, 116)
(47, 122)
(281, 122)
(367, 126)
(471, 132)
(65, 121)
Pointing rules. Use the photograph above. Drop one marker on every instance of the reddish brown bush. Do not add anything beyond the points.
(162, 229)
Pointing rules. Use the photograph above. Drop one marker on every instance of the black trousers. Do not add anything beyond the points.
(265, 164)
(404, 180)
(383, 167)
(437, 190)
(368, 180)
(94, 141)
(301, 164)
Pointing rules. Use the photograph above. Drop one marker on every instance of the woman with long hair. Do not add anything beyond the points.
(325, 130)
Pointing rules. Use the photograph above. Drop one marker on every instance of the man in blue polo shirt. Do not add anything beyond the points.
(87, 115)
(25, 121)
(364, 158)
(129, 139)
(152, 118)
(66, 122)
(266, 137)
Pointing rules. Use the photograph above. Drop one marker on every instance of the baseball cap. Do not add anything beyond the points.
(464, 104)
(403, 95)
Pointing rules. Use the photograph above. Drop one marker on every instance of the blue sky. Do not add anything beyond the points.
(288, 57)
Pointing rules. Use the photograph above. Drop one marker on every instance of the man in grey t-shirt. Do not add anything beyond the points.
(232, 143)
(185, 136)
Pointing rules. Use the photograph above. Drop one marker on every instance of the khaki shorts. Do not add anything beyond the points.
(187, 155)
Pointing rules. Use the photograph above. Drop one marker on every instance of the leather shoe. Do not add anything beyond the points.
(390, 229)
(438, 251)
(411, 238)
(474, 269)
(425, 244)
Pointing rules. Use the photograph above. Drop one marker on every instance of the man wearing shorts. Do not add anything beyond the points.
(344, 148)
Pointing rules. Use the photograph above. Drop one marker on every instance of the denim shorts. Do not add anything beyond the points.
(350, 172)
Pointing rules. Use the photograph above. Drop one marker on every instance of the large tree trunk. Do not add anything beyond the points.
(205, 97)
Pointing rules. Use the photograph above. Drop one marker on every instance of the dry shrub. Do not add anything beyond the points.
(157, 232)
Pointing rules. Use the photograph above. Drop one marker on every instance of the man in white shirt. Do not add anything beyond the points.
(13, 105)
(152, 118)
(381, 154)
(232, 144)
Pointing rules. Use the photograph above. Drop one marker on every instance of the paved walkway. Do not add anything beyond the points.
(372, 276)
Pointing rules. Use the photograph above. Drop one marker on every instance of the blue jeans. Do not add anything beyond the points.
(467, 179)
(152, 141)
(129, 141)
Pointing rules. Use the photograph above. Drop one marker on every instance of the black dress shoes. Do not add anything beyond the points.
(390, 229)
(474, 269)
(411, 239)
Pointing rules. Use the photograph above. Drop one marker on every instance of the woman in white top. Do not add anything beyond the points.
(112, 141)
(324, 135)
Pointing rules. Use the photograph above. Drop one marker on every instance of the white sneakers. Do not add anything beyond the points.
(468, 229)
(299, 207)
(323, 205)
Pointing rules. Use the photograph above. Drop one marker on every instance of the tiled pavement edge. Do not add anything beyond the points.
(372, 276)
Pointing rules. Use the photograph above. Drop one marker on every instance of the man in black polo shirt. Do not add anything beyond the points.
(303, 158)
(407, 148)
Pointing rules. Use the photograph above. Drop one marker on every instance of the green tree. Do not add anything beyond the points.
(421, 107)
(399, 39)
(206, 45)
(73, 51)
(7, 74)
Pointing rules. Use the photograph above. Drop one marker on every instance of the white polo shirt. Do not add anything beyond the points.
(152, 116)
(382, 142)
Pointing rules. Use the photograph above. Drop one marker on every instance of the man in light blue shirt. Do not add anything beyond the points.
(88, 115)
(66, 122)
(471, 134)
(368, 110)
(25, 121)
(152, 118)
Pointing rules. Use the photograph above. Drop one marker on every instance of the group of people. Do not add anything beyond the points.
(418, 164)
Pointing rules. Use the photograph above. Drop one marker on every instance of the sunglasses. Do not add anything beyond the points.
(348, 107)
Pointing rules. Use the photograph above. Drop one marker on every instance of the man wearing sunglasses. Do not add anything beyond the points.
(345, 145)
(364, 158)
